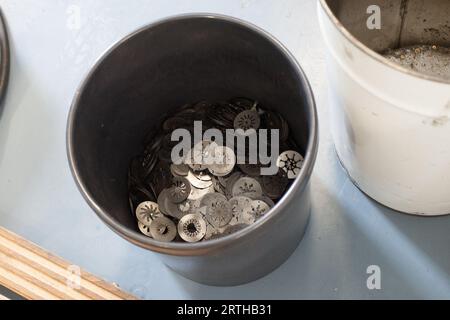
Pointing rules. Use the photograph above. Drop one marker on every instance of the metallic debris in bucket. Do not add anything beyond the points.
(208, 199)
(429, 60)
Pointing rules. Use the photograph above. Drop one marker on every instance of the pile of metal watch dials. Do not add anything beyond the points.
(194, 201)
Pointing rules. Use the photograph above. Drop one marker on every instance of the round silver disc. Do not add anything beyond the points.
(144, 229)
(210, 200)
(247, 187)
(242, 210)
(248, 119)
(192, 227)
(224, 161)
(180, 189)
(173, 209)
(219, 215)
(163, 229)
(291, 162)
(147, 211)
(259, 208)
(198, 157)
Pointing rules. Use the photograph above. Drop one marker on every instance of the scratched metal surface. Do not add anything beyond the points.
(39, 200)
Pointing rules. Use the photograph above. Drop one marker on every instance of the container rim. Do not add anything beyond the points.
(199, 248)
(5, 59)
(373, 54)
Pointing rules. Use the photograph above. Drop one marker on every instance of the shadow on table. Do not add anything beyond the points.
(429, 235)
(421, 240)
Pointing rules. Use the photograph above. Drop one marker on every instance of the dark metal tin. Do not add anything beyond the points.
(161, 66)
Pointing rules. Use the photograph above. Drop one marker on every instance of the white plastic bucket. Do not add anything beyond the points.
(390, 125)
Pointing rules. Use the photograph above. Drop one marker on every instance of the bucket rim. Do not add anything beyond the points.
(372, 53)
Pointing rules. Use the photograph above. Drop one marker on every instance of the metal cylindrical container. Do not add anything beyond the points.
(159, 68)
(390, 125)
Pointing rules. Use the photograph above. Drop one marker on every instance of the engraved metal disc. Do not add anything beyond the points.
(194, 161)
(173, 209)
(180, 190)
(220, 214)
(144, 229)
(211, 200)
(224, 160)
(163, 229)
(248, 119)
(192, 227)
(291, 162)
(198, 157)
(259, 208)
(242, 210)
(247, 187)
(147, 211)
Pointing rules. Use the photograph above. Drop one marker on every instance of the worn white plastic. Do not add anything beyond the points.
(391, 127)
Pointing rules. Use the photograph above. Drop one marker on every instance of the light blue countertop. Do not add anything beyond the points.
(39, 200)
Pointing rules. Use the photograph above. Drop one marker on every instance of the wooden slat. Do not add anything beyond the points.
(35, 273)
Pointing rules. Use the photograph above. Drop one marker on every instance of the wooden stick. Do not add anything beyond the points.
(34, 273)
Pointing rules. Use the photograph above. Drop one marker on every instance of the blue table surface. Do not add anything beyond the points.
(39, 200)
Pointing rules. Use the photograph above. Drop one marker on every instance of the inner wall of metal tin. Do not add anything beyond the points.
(159, 70)
(403, 22)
